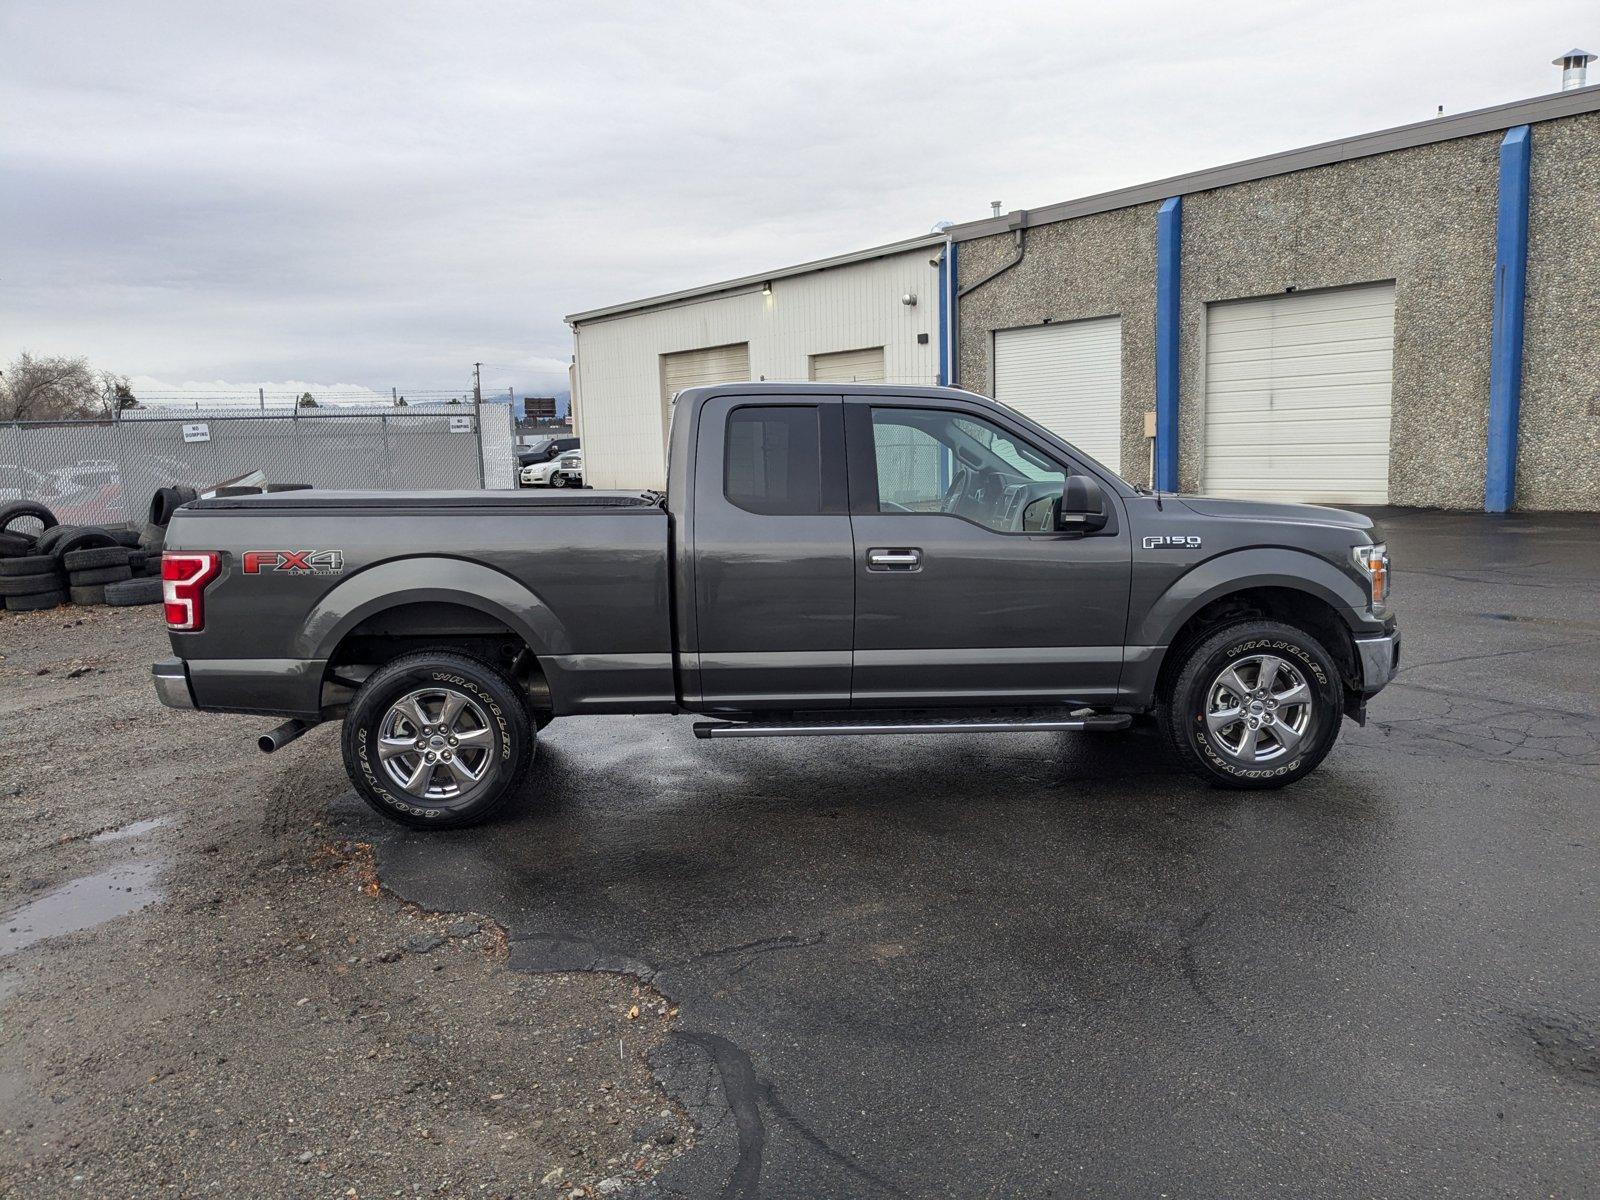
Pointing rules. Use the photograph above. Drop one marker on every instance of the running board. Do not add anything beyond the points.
(863, 724)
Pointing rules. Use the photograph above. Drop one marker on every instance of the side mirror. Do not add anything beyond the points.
(1082, 508)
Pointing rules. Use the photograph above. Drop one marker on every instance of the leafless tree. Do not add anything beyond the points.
(116, 394)
(49, 389)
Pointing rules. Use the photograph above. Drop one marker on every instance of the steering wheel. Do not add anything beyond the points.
(957, 489)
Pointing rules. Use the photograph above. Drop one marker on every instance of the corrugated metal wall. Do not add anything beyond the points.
(619, 378)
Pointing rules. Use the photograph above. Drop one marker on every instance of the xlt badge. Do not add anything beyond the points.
(1172, 541)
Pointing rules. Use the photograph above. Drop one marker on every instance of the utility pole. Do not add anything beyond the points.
(261, 395)
(477, 418)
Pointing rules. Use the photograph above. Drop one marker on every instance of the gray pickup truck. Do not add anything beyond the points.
(826, 560)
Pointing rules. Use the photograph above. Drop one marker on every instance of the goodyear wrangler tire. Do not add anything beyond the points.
(1256, 705)
(437, 740)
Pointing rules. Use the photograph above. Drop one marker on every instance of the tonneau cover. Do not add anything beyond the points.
(313, 498)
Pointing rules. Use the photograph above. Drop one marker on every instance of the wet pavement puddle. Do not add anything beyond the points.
(82, 904)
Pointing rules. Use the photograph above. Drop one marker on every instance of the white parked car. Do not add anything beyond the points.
(538, 474)
(568, 470)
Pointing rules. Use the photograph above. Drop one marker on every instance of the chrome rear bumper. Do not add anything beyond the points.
(172, 683)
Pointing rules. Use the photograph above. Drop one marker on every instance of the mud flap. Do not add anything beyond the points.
(1355, 706)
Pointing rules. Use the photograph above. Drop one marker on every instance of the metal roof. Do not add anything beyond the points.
(749, 281)
(1402, 137)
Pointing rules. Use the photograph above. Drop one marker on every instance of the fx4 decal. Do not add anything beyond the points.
(1173, 541)
(296, 562)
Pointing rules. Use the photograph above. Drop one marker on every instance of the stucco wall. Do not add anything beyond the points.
(1096, 266)
(1558, 460)
(1423, 217)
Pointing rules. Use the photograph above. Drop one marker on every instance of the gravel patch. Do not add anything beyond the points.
(259, 1016)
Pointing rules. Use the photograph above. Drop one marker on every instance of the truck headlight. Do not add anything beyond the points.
(1373, 562)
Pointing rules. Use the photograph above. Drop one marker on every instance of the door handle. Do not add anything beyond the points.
(899, 559)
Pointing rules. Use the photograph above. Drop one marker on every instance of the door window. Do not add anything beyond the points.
(773, 463)
(935, 461)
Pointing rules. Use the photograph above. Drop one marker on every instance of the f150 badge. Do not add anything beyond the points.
(1173, 541)
(295, 562)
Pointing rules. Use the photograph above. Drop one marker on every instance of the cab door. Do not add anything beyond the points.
(773, 554)
(965, 593)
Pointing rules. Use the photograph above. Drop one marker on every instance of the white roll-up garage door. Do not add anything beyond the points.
(700, 368)
(697, 368)
(1298, 395)
(1068, 378)
(849, 366)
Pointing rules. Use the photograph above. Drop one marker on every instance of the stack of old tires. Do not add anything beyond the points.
(44, 563)
(163, 504)
(30, 578)
(119, 573)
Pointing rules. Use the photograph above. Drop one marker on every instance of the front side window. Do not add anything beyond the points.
(773, 463)
(935, 461)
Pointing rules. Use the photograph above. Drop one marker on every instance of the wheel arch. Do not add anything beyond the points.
(437, 601)
(1294, 587)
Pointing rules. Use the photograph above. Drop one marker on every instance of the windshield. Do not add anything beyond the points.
(1019, 457)
(1065, 437)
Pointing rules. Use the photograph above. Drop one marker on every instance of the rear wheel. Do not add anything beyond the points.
(1256, 705)
(437, 740)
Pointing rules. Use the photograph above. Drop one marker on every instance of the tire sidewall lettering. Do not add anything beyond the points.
(367, 736)
(1218, 759)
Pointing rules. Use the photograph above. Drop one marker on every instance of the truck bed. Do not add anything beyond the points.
(582, 577)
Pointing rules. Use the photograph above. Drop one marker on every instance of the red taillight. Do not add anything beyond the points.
(183, 578)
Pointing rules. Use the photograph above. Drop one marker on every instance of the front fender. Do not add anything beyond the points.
(1239, 570)
(430, 578)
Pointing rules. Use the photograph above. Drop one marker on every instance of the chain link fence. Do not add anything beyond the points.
(96, 472)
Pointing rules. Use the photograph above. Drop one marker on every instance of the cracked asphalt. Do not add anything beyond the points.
(1036, 965)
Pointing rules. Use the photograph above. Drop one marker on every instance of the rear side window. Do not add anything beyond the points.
(774, 460)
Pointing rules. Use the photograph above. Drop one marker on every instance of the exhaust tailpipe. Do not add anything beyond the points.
(280, 737)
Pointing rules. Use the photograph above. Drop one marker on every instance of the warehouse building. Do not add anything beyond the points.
(1406, 317)
(1344, 323)
(868, 317)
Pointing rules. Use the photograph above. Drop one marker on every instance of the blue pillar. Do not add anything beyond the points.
(947, 315)
(1169, 253)
(1505, 352)
(944, 312)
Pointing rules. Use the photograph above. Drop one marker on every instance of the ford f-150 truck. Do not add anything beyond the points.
(826, 560)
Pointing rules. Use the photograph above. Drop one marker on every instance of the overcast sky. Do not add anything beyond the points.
(379, 194)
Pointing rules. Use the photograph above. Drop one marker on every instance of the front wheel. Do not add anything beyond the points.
(1256, 705)
(437, 740)
(558, 480)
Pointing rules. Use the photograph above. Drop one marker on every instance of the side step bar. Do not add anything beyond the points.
(858, 725)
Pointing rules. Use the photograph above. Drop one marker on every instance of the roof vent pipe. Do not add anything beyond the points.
(994, 208)
(1574, 66)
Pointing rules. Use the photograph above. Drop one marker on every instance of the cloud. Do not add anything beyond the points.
(389, 192)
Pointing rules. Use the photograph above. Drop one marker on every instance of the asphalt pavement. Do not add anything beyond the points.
(1053, 965)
